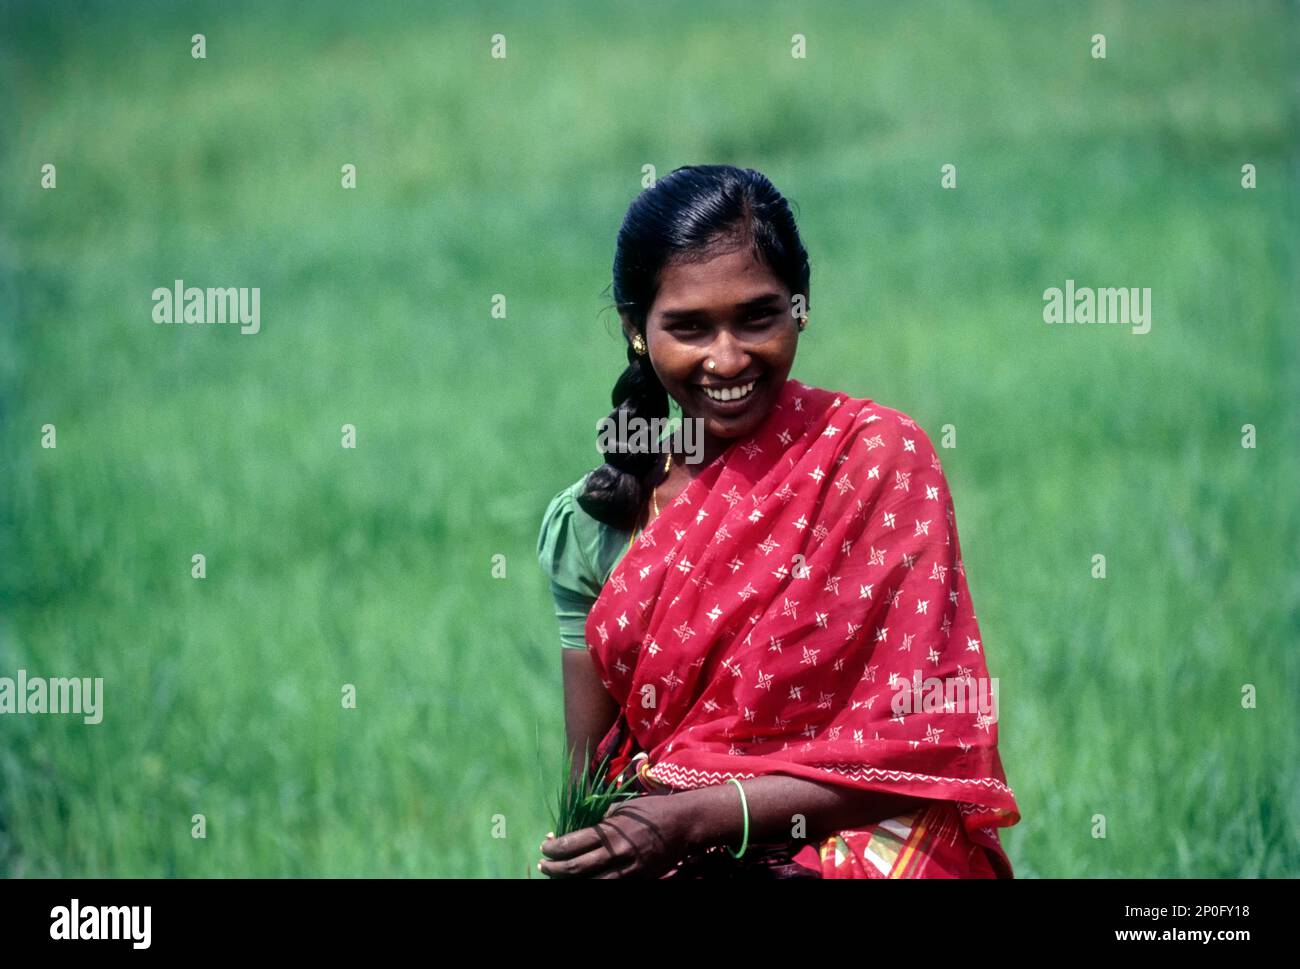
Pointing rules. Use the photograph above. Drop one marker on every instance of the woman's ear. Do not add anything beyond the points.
(629, 329)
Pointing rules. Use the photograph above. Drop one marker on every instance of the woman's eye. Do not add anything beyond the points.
(762, 318)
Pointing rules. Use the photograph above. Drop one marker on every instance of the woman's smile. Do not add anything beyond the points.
(730, 398)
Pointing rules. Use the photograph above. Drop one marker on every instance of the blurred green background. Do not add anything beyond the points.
(477, 176)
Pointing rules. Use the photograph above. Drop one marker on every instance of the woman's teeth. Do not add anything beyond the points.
(730, 393)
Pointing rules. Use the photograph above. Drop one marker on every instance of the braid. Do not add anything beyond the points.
(615, 491)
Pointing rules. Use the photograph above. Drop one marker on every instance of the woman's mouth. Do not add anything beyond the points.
(730, 400)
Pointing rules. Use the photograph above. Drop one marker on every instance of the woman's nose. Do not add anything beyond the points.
(729, 357)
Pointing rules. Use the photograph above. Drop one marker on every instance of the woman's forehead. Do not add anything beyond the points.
(720, 283)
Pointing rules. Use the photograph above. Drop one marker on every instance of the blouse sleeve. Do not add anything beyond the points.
(564, 555)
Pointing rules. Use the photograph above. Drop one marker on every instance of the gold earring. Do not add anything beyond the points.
(803, 321)
(638, 344)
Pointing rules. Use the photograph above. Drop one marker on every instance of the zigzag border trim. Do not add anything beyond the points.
(688, 777)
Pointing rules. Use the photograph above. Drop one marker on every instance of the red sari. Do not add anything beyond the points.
(784, 615)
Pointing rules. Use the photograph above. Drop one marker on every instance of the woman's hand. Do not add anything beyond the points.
(642, 837)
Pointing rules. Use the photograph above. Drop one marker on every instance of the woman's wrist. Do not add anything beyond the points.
(716, 815)
(712, 816)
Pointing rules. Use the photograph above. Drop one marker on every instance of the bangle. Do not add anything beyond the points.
(744, 804)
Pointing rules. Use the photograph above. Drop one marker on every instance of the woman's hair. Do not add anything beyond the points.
(693, 214)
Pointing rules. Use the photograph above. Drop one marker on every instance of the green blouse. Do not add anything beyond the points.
(578, 553)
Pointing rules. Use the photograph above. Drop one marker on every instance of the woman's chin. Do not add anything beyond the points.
(727, 421)
(737, 428)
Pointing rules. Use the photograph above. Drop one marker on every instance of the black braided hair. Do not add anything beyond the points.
(616, 491)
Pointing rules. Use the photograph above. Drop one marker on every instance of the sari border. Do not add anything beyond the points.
(689, 777)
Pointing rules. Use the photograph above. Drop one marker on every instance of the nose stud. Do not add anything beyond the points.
(711, 365)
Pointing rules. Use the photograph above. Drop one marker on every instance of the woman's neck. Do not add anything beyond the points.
(713, 448)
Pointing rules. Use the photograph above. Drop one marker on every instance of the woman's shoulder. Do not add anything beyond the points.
(572, 546)
(890, 435)
(866, 410)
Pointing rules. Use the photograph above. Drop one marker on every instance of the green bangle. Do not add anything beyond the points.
(744, 804)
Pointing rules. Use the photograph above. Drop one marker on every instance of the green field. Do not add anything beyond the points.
(479, 176)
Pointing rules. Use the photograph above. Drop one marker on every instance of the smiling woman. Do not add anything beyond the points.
(734, 629)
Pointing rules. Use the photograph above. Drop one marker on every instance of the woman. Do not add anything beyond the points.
(758, 634)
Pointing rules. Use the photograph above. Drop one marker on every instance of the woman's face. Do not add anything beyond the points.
(733, 311)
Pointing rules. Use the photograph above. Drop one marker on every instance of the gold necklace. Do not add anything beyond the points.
(654, 499)
(654, 494)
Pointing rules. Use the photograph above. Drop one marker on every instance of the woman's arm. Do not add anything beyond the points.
(589, 710)
(716, 816)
